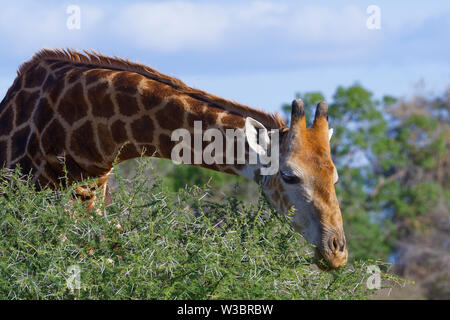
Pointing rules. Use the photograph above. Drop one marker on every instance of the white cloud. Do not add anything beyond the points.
(31, 25)
(259, 14)
(318, 23)
(266, 30)
(172, 26)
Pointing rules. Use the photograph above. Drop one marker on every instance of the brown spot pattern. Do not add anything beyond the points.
(3, 153)
(35, 76)
(142, 129)
(73, 106)
(6, 120)
(128, 105)
(53, 174)
(33, 146)
(26, 164)
(102, 105)
(57, 64)
(48, 83)
(128, 151)
(170, 117)
(166, 145)
(53, 139)
(25, 104)
(55, 87)
(106, 140)
(82, 143)
(126, 82)
(75, 75)
(74, 171)
(195, 106)
(119, 132)
(61, 73)
(151, 96)
(95, 74)
(19, 142)
(43, 114)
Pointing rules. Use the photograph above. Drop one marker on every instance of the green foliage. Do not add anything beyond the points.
(176, 177)
(154, 244)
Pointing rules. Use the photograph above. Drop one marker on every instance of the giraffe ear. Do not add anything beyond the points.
(330, 133)
(253, 128)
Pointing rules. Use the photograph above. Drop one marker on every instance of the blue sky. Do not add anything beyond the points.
(259, 53)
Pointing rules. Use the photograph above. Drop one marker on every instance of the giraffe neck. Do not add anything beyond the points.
(148, 112)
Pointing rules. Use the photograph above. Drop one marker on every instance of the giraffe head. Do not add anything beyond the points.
(305, 181)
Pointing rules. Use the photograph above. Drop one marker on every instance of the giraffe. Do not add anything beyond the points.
(71, 115)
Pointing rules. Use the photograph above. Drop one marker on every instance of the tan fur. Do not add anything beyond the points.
(307, 153)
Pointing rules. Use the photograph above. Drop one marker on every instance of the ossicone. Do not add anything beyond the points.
(298, 109)
(321, 110)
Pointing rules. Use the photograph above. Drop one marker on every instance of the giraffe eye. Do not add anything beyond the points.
(289, 178)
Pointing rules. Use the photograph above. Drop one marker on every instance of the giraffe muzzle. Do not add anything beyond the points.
(332, 253)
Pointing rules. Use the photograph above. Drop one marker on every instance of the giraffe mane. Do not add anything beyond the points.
(270, 120)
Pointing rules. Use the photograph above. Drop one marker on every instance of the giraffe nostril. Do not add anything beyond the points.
(332, 244)
(335, 245)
